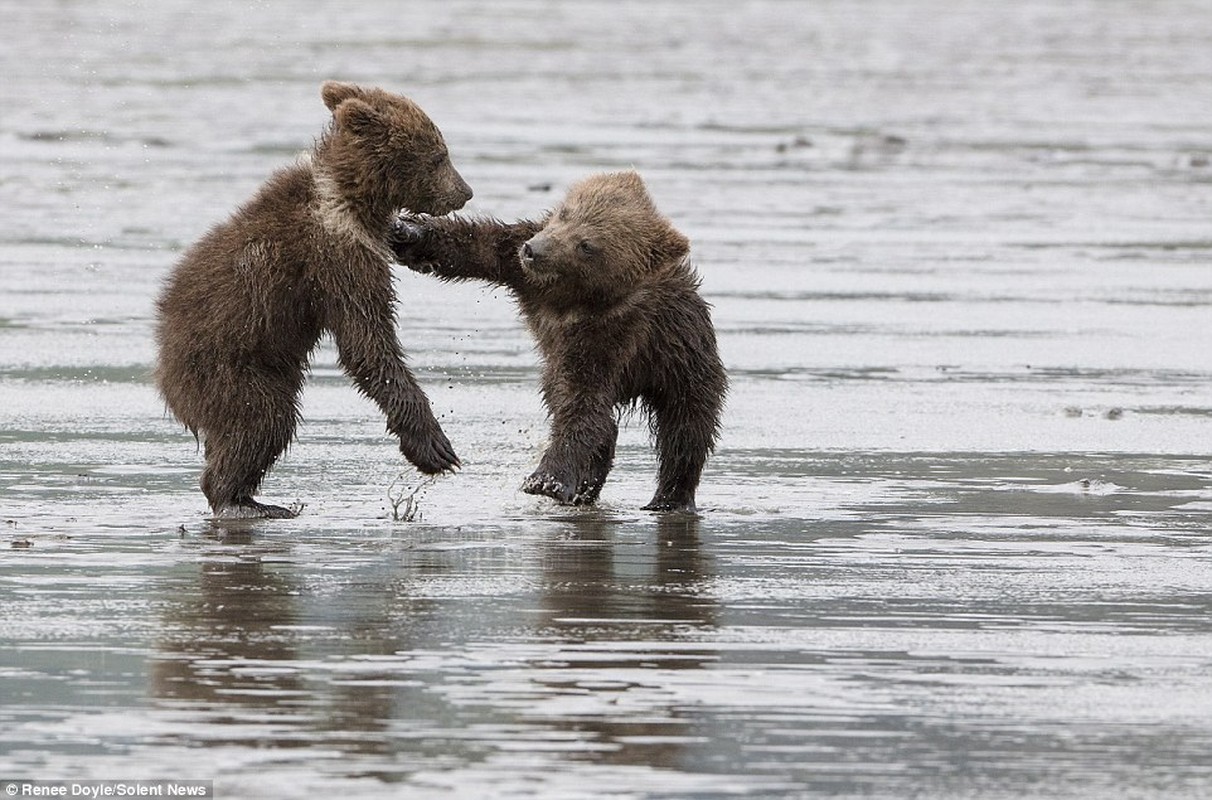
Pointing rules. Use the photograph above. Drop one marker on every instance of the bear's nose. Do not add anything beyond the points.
(533, 249)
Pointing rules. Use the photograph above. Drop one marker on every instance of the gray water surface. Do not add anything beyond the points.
(955, 541)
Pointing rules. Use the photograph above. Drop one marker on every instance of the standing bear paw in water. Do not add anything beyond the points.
(606, 287)
(245, 306)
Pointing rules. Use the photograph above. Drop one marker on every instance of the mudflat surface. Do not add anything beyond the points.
(955, 539)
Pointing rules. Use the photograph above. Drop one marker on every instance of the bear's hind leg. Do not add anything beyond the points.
(234, 471)
(685, 435)
(238, 456)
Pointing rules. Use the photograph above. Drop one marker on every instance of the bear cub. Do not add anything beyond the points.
(245, 306)
(605, 285)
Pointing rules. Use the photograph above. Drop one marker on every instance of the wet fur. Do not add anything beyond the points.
(242, 311)
(610, 296)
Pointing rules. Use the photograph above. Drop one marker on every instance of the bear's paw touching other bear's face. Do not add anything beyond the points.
(386, 142)
(606, 235)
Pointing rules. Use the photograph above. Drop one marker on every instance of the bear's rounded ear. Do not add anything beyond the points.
(358, 118)
(336, 92)
(670, 246)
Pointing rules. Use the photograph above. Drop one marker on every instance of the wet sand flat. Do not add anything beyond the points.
(955, 539)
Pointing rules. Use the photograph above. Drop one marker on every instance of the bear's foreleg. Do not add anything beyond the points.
(578, 395)
(457, 249)
(599, 468)
(575, 465)
(370, 354)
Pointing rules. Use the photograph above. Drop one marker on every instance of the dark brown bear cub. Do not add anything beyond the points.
(606, 287)
(245, 306)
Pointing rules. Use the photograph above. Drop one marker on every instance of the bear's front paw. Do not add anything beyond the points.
(409, 238)
(567, 491)
(431, 454)
(406, 229)
(548, 485)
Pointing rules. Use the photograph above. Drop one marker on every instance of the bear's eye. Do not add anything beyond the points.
(438, 160)
(587, 247)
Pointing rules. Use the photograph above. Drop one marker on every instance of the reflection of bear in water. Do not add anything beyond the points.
(606, 287)
(245, 306)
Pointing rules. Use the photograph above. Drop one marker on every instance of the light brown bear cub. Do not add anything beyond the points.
(243, 309)
(606, 286)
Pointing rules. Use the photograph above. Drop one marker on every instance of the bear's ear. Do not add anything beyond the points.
(670, 246)
(630, 179)
(359, 118)
(336, 92)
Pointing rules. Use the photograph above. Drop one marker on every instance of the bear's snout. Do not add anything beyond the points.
(462, 191)
(533, 250)
(452, 195)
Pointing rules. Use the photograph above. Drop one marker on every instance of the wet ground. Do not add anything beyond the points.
(955, 542)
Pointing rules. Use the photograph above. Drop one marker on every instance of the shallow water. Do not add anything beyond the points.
(955, 539)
